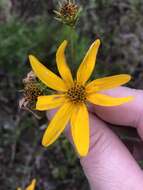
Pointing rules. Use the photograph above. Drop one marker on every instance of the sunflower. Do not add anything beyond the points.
(31, 186)
(72, 96)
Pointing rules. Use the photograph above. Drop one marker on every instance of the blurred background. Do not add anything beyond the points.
(28, 26)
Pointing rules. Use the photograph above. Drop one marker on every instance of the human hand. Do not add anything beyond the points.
(109, 165)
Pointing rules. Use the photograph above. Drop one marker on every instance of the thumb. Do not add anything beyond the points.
(108, 165)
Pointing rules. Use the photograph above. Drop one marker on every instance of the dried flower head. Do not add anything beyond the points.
(31, 91)
(68, 12)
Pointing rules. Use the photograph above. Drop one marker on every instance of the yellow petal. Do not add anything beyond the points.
(57, 124)
(46, 76)
(19, 188)
(49, 102)
(32, 185)
(107, 83)
(104, 100)
(80, 129)
(62, 64)
(87, 65)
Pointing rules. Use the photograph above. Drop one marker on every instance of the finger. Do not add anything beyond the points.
(128, 114)
(109, 165)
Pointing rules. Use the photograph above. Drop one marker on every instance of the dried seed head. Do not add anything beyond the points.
(68, 13)
(32, 89)
(31, 92)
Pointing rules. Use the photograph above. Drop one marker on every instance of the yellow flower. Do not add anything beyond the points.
(72, 96)
(31, 186)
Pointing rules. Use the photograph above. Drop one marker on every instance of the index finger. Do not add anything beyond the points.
(128, 114)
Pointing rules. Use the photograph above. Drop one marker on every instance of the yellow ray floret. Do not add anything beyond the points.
(107, 83)
(57, 124)
(88, 63)
(46, 76)
(31, 186)
(104, 100)
(62, 64)
(74, 96)
(80, 129)
(49, 102)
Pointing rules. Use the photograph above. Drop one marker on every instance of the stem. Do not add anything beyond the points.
(72, 45)
(72, 41)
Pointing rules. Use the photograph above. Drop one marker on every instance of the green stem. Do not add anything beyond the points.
(72, 45)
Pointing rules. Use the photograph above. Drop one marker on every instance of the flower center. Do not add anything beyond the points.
(77, 93)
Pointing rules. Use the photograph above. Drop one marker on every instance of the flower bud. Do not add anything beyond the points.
(68, 13)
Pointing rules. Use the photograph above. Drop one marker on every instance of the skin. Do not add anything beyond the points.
(109, 165)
